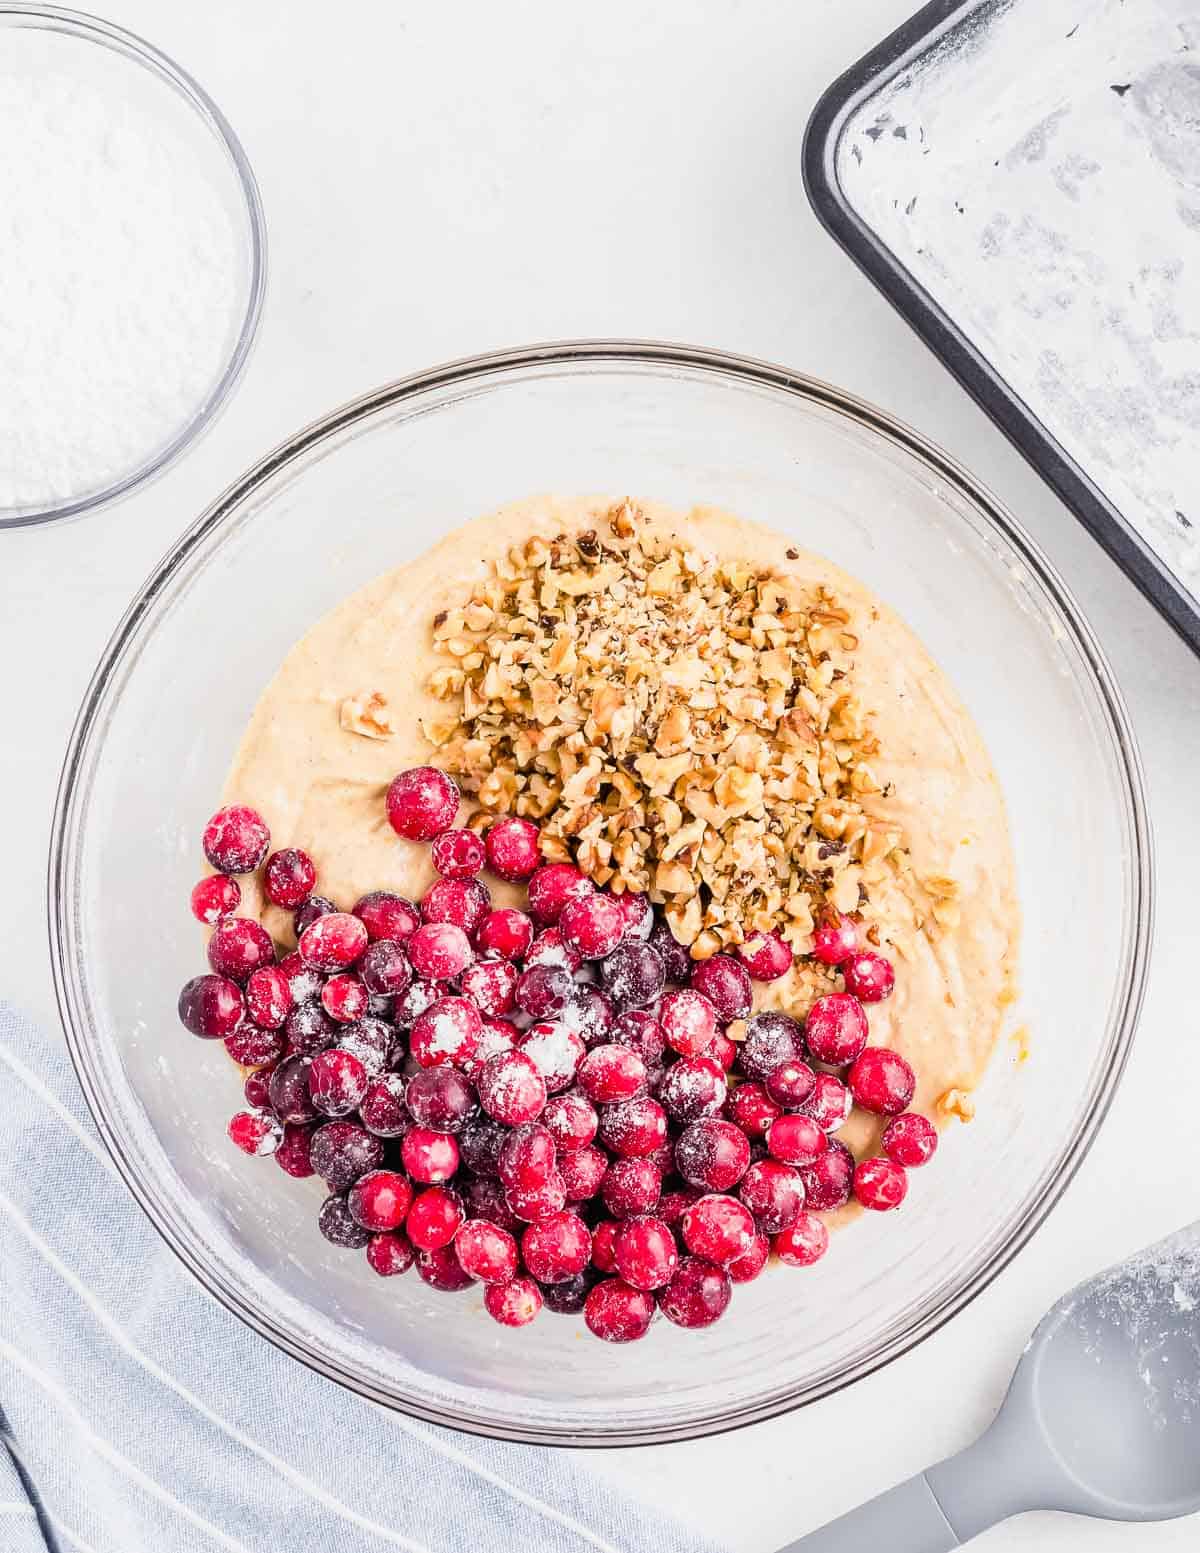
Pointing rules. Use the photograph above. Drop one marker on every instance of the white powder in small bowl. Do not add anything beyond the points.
(127, 268)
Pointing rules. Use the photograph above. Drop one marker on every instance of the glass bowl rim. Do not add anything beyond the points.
(634, 354)
(105, 34)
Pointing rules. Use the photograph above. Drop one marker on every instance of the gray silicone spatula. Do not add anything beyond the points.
(1102, 1419)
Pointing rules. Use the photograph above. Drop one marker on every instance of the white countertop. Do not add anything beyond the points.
(440, 180)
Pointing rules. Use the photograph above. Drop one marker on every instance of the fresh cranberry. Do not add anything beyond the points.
(268, 996)
(772, 1038)
(433, 1218)
(513, 1304)
(543, 991)
(725, 982)
(803, 1242)
(882, 1081)
(461, 902)
(723, 1051)
(550, 948)
(765, 956)
(294, 1154)
(288, 1089)
(642, 1033)
(633, 1128)
(440, 1099)
(390, 1254)
(712, 1153)
(638, 914)
(836, 1029)
(774, 1193)
(486, 1251)
(289, 877)
(827, 1183)
(421, 803)
(408, 1006)
(674, 1204)
(257, 1089)
(830, 1102)
(333, 942)
(383, 1110)
(869, 977)
(556, 1247)
(604, 1239)
(497, 1035)
(310, 1030)
(531, 1203)
(571, 1120)
(751, 1108)
(439, 951)
(747, 1268)
(313, 909)
(339, 1227)
(570, 1296)
(215, 897)
(458, 854)
(345, 999)
(593, 925)
(791, 1084)
(663, 1157)
(633, 975)
(511, 1089)
(631, 1186)
(337, 1082)
(236, 840)
(254, 1047)
(689, 1022)
(645, 1253)
(429, 1156)
(486, 1200)
(441, 1270)
(512, 849)
(303, 984)
(527, 1156)
(255, 1133)
(387, 915)
(880, 1184)
(611, 1073)
(372, 1041)
(211, 1007)
(834, 940)
(910, 1140)
(379, 1200)
(796, 1140)
(343, 1151)
(506, 932)
(693, 1087)
(555, 1051)
(582, 1171)
(490, 985)
(552, 886)
(677, 962)
(589, 1014)
(385, 968)
(448, 1031)
(697, 1295)
(717, 1228)
(616, 1312)
(239, 946)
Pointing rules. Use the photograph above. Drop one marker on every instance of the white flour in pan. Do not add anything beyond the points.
(1041, 178)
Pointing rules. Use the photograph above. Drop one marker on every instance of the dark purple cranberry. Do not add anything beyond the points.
(486, 1200)
(568, 1297)
(385, 969)
(589, 1014)
(310, 1029)
(238, 947)
(440, 1099)
(480, 1143)
(257, 1089)
(633, 975)
(642, 1033)
(410, 1005)
(829, 1182)
(314, 907)
(337, 1224)
(372, 1041)
(211, 1007)
(791, 1084)
(544, 991)
(677, 962)
(441, 1270)
(343, 1151)
(383, 1110)
(725, 982)
(288, 1090)
(772, 1038)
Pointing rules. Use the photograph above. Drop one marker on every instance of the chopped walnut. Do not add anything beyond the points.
(367, 713)
(957, 1102)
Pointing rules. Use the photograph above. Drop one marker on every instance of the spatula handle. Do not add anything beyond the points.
(906, 1519)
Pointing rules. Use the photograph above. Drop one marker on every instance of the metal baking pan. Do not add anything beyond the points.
(1021, 178)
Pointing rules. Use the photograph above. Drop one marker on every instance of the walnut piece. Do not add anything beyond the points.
(367, 713)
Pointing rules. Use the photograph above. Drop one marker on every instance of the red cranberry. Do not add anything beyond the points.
(294, 1153)
(337, 1082)
(747, 1268)
(593, 925)
(717, 1228)
(448, 1031)
(834, 940)
(765, 956)
(796, 1140)
(215, 897)
(556, 1247)
(309, 1029)
(268, 996)
(552, 886)
(827, 1183)
(633, 1128)
(441, 1270)
(379, 1200)
(238, 947)
(633, 975)
(543, 991)
(751, 1108)
(513, 1304)
(910, 1140)
(458, 854)
(512, 849)
(343, 1151)
(253, 1047)
(773, 1193)
(390, 1254)
(836, 1029)
(689, 1022)
(571, 1120)
(604, 1240)
(486, 1200)
(303, 984)
(255, 1133)
(803, 1242)
(616, 1312)
(869, 977)
(490, 985)
(288, 1089)
(383, 1111)
(257, 1089)
(663, 1157)
(725, 982)
(555, 1051)
(830, 1102)
(677, 962)
(497, 1035)
(674, 1204)
(408, 1007)
(772, 1038)
(638, 914)
(236, 840)
(631, 1186)
(527, 1156)
(429, 1156)
(712, 1153)
(642, 1033)
(882, 1081)
(723, 1051)
(880, 1184)
(439, 951)
(693, 1087)
(211, 1007)
(386, 915)
(531, 1203)
(433, 1218)
(549, 948)
(313, 909)
(440, 1099)
(589, 1014)
(421, 803)
(345, 999)
(333, 942)
(486, 1251)
(582, 1171)
(611, 1073)
(289, 877)
(385, 969)
(511, 1089)
(791, 1084)
(506, 932)
(339, 1227)
(462, 902)
(645, 1253)
(697, 1295)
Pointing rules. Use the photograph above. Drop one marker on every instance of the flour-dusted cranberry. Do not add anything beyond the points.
(910, 1140)
(344, 998)
(589, 1014)
(387, 915)
(882, 1081)
(791, 1084)
(672, 1205)
(288, 1089)
(497, 1035)
(611, 1073)
(385, 969)
(448, 1031)
(490, 985)
(211, 1007)
(313, 909)
(254, 1132)
(268, 996)
(215, 897)
(339, 1227)
(512, 851)
(310, 1030)
(677, 962)
(390, 1253)
(458, 854)
(774, 1193)
(616, 1312)
(697, 1295)
(880, 1184)
(604, 1241)
(638, 914)
(257, 1089)
(254, 1047)
(751, 1108)
(869, 976)
(486, 1251)
(513, 1304)
(372, 1041)
(692, 1088)
(718, 1228)
(337, 1082)
(803, 1242)
(333, 942)
(505, 932)
(429, 1157)
(645, 1253)
(712, 1153)
(238, 947)
(828, 1182)
(440, 1099)
(593, 925)
(379, 1200)
(433, 1218)
(830, 1103)
(688, 1020)
(571, 1120)
(527, 1156)
(765, 956)
(747, 1268)
(236, 840)
(772, 1038)
(462, 902)
(441, 1270)
(439, 951)
(294, 1154)
(633, 1128)
(834, 940)
(421, 803)
(557, 1247)
(796, 1140)
(631, 1186)
(408, 1006)
(343, 1151)
(642, 1033)
(289, 877)
(550, 948)
(485, 1199)
(725, 982)
(304, 984)
(552, 886)
(836, 1029)
(511, 1089)
(569, 1297)
(582, 1171)
(383, 1110)
(633, 975)
(532, 1203)
(555, 1051)
(543, 991)
(723, 1051)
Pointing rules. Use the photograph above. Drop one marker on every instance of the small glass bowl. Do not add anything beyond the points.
(244, 205)
(377, 482)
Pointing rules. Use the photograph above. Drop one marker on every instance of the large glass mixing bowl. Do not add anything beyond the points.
(376, 483)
